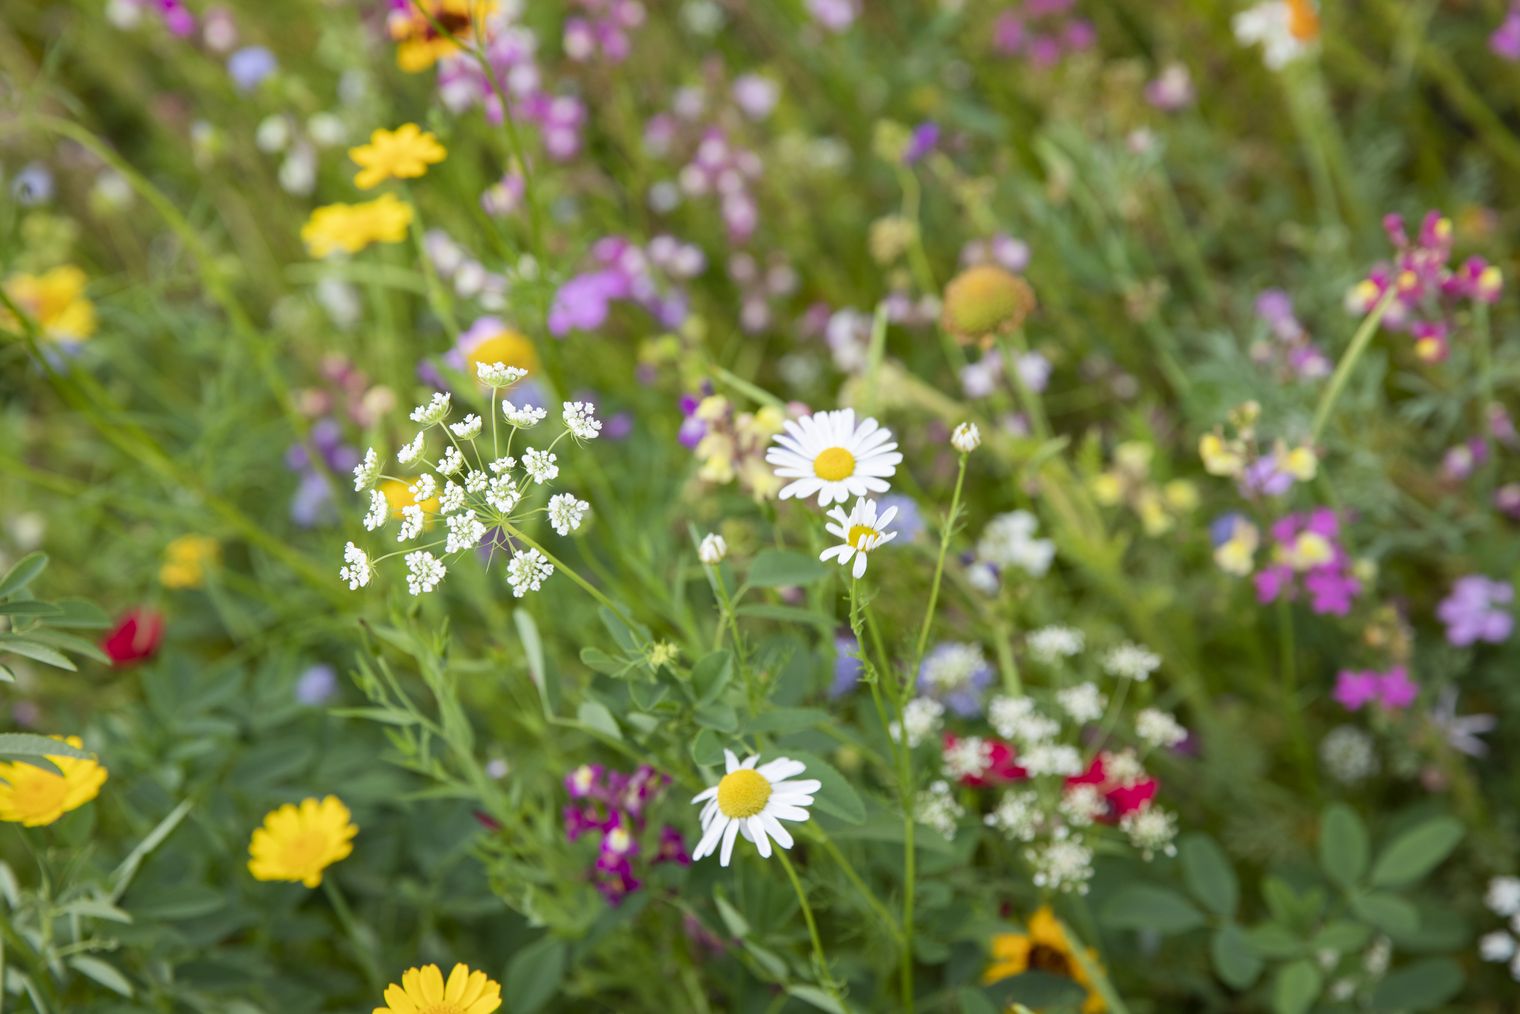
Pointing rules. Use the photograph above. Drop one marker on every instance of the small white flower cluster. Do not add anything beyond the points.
(967, 758)
(1157, 729)
(938, 808)
(1009, 542)
(1130, 661)
(1503, 899)
(1018, 815)
(1062, 864)
(473, 489)
(1017, 719)
(922, 717)
(1151, 830)
(1083, 703)
(1049, 645)
(1348, 754)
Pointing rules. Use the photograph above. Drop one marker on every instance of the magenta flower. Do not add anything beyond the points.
(1505, 41)
(1396, 690)
(1477, 610)
(1307, 548)
(1353, 690)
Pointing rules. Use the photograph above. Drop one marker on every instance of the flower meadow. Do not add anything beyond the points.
(940, 506)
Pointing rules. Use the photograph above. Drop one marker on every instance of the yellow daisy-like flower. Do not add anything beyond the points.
(491, 344)
(35, 798)
(352, 227)
(296, 843)
(423, 991)
(55, 300)
(187, 559)
(427, 32)
(1042, 947)
(401, 154)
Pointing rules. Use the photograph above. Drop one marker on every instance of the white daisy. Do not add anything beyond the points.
(753, 801)
(860, 531)
(829, 455)
(966, 437)
(566, 512)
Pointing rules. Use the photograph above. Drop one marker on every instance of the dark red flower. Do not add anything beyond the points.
(135, 637)
(1121, 799)
(1003, 769)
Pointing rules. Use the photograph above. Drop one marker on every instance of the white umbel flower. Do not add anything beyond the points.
(434, 411)
(527, 571)
(410, 451)
(1269, 25)
(828, 455)
(465, 532)
(412, 520)
(523, 417)
(753, 801)
(424, 488)
(922, 717)
(1132, 662)
(1503, 896)
(540, 465)
(1009, 541)
(1050, 644)
(467, 428)
(566, 512)
(366, 471)
(451, 500)
(860, 531)
(580, 419)
(379, 510)
(499, 374)
(1496, 946)
(1083, 702)
(356, 568)
(712, 549)
(966, 437)
(451, 462)
(423, 572)
(938, 808)
(1157, 729)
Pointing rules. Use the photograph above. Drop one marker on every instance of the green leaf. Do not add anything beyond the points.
(1424, 985)
(26, 744)
(784, 721)
(79, 613)
(783, 614)
(711, 675)
(1036, 989)
(738, 926)
(707, 748)
(719, 716)
(1343, 845)
(27, 607)
(385, 716)
(1416, 852)
(1296, 987)
(595, 715)
(68, 642)
(836, 796)
(102, 973)
(974, 1001)
(1235, 958)
(535, 974)
(21, 574)
(1342, 937)
(782, 568)
(599, 661)
(1148, 907)
(1209, 875)
(1274, 941)
(816, 997)
(1388, 912)
(38, 652)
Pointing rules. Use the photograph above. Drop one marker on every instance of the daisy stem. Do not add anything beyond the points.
(364, 946)
(586, 586)
(1353, 354)
(939, 567)
(850, 873)
(822, 960)
(731, 621)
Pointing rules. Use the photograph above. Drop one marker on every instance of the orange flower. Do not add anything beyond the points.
(1303, 20)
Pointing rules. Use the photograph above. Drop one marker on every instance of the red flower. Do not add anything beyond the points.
(1001, 771)
(135, 637)
(1121, 799)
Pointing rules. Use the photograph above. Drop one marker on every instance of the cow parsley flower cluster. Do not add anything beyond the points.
(473, 491)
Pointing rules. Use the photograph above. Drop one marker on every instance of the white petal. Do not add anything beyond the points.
(710, 839)
(805, 786)
(773, 827)
(729, 834)
(780, 769)
(705, 794)
(794, 813)
(756, 828)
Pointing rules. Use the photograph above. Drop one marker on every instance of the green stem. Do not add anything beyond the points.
(1353, 354)
(820, 958)
(364, 945)
(586, 586)
(1096, 974)
(939, 568)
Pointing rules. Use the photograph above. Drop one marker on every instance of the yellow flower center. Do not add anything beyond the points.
(859, 533)
(834, 464)
(743, 793)
(306, 851)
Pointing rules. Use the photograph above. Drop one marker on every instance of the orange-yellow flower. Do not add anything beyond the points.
(400, 154)
(187, 559)
(1303, 20)
(1042, 947)
(424, 991)
(427, 32)
(352, 227)
(55, 300)
(398, 493)
(35, 798)
(296, 843)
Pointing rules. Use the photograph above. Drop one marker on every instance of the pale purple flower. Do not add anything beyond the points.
(1505, 42)
(835, 15)
(1477, 610)
(249, 67)
(316, 685)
